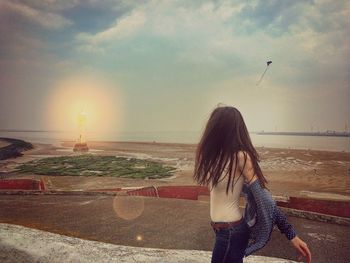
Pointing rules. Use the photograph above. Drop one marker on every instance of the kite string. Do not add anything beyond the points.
(262, 76)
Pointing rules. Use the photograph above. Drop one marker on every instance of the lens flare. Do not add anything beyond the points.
(128, 207)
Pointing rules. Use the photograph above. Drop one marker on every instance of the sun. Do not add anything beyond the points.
(91, 101)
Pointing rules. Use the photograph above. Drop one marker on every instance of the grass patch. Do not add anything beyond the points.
(94, 165)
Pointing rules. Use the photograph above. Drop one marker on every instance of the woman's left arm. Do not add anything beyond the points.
(283, 224)
(288, 230)
(302, 248)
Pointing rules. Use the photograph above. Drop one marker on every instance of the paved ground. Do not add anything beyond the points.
(156, 223)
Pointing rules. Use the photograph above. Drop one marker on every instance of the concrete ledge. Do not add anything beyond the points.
(316, 216)
(21, 244)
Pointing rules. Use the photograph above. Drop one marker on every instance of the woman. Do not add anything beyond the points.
(227, 162)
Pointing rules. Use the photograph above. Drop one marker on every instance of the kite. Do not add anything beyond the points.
(262, 76)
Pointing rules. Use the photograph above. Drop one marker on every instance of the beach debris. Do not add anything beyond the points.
(268, 63)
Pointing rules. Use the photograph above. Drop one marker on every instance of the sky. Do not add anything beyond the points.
(165, 65)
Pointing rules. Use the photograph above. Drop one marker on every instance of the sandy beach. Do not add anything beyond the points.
(290, 172)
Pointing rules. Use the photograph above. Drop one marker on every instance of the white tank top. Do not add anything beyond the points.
(225, 207)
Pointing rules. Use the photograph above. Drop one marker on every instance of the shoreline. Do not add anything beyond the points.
(321, 134)
(322, 143)
(64, 144)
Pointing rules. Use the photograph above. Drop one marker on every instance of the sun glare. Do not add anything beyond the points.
(90, 101)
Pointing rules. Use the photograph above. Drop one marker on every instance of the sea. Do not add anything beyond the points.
(324, 143)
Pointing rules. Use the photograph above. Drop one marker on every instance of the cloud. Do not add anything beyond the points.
(216, 31)
(124, 27)
(272, 16)
(184, 50)
(180, 29)
(51, 5)
(47, 20)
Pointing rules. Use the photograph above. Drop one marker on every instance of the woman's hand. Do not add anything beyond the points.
(302, 248)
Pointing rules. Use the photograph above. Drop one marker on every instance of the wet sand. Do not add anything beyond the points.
(290, 172)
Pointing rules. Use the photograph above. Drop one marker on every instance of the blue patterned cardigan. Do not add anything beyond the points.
(261, 214)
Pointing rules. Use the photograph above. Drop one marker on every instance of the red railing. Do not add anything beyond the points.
(22, 184)
(179, 192)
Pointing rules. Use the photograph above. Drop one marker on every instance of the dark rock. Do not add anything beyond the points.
(15, 148)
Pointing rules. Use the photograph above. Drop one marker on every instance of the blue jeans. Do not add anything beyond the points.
(230, 244)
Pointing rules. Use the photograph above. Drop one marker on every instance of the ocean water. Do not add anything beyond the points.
(339, 144)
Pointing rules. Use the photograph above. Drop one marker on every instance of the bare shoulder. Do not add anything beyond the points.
(243, 158)
(246, 166)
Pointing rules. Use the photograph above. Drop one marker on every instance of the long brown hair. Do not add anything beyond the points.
(224, 136)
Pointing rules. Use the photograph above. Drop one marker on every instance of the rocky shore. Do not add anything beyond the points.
(14, 148)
